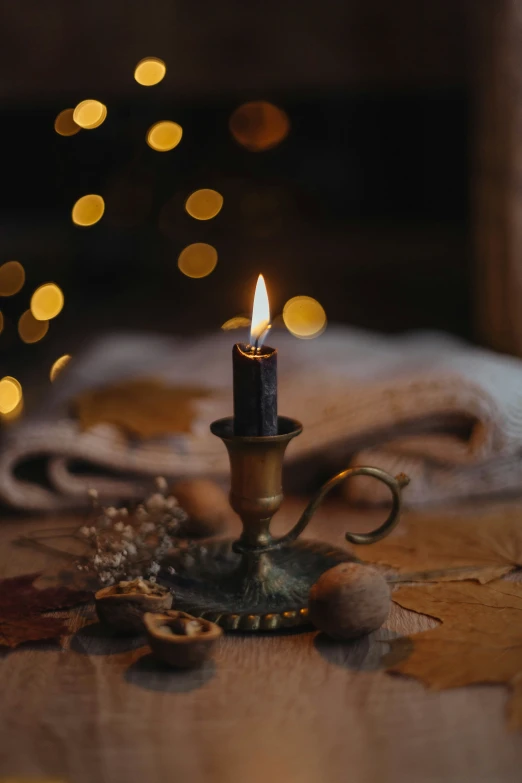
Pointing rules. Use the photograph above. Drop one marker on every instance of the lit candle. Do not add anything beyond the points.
(255, 374)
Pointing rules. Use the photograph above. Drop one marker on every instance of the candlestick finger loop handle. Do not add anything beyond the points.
(395, 485)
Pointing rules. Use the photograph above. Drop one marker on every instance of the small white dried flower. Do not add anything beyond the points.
(155, 503)
(123, 512)
(141, 513)
(161, 484)
(119, 527)
(155, 567)
(92, 493)
(85, 531)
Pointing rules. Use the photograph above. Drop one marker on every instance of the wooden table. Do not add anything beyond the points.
(270, 709)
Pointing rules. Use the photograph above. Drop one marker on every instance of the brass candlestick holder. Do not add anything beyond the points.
(261, 583)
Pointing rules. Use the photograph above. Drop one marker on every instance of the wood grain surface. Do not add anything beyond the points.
(278, 708)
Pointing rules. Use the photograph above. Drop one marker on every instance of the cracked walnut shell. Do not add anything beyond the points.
(123, 605)
(181, 640)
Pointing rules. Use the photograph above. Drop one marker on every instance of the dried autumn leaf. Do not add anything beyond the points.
(141, 408)
(479, 641)
(18, 594)
(31, 628)
(22, 605)
(452, 548)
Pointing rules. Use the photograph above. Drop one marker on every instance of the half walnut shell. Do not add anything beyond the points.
(124, 610)
(181, 640)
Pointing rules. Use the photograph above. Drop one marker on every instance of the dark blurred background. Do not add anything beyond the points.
(364, 205)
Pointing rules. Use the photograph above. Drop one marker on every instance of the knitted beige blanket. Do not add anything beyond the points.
(446, 413)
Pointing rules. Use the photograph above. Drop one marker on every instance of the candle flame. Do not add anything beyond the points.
(260, 314)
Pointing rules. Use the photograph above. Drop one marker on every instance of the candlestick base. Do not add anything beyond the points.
(264, 592)
(261, 583)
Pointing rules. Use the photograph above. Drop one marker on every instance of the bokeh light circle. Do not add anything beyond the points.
(198, 260)
(14, 414)
(46, 302)
(164, 135)
(30, 329)
(150, 71)
(59, 365)
(237, 322)
(65, 125)
(304, 317)
(204, 204)
(12, 278)
(90, 114)
(259, 125)
(10, 394)
(88, 210)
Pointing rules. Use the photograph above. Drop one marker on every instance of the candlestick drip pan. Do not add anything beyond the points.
(214, 582)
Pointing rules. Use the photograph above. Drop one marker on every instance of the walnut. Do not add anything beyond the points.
(349, 600)
(205, 503)
(123, 605)
(181, 640)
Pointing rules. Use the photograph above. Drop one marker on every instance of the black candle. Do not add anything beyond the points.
(255, 390)
(255, 375)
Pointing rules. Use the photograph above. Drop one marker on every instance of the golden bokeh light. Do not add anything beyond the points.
(164, 136)
(304, 317)
(198, 260)
(238, 322)
(150, 71)
(10, 394)
(88, 210)
(12, 278)
(89, 114)
(14, 414)
(31, 330)
(259, 125)
(204, 204)
(65, 125)
(46, 302)
(59, 365)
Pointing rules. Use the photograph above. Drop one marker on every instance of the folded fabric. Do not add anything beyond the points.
(446, 413)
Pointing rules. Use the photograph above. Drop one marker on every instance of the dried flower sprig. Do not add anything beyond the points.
(131, 543)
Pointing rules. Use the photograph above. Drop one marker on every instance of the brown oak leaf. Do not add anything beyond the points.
(143, 408)
(479, 640)
(450, 548)
(22, 605)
